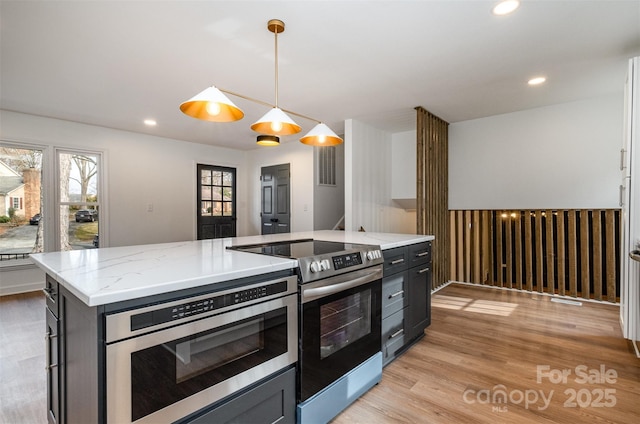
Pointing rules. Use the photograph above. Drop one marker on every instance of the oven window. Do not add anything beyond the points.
(167, 373)
(199, 355)
(344, 321)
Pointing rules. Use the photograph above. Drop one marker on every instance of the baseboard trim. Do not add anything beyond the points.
(22, 288)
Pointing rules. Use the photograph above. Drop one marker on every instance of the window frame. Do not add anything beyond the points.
(45, 178)
(50, 186)
(99, 188)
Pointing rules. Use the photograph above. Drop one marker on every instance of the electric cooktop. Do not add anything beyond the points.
(317, 258)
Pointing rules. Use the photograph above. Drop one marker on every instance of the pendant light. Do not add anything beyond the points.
(321, 135)
(276, 122)
(268, 140)
(213, 105)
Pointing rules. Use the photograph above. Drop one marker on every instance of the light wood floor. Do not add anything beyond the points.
(482, 342)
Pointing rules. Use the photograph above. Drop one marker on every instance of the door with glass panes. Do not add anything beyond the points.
(216, 202)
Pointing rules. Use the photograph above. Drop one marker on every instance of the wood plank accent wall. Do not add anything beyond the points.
(565, 252)
(432, 141)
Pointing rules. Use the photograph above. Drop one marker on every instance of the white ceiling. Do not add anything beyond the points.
(115, 63)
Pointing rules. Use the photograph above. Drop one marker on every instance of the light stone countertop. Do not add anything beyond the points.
(114, 274)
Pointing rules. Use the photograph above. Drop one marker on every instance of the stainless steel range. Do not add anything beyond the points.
(339, 322)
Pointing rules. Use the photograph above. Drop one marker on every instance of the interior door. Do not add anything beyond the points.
(275, 203)
(216, 202)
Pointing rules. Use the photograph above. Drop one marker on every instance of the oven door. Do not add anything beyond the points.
(168, 374)
(340, 327)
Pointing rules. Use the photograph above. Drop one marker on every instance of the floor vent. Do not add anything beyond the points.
(566, 301)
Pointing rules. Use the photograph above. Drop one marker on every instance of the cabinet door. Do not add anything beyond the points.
(392, 336)
(273, 401)
(419, 309)
(419, 254)
(53, 373)
(394, 293)
(395, 260)
(51, 289)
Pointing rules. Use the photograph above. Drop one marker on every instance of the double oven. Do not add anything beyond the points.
(339, 325)
(170, 360)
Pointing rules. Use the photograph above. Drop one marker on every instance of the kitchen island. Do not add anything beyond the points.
(89, 289)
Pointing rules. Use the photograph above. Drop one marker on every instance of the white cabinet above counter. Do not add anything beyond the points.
(108, 275)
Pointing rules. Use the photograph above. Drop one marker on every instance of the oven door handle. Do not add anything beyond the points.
(312, 293)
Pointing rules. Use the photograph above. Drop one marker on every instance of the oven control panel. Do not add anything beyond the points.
(204, 305)
(329, 264)
(346, 261)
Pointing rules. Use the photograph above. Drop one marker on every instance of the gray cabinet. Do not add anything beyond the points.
(77, 373)
(53, 364)
(406, 297)
(272, 401)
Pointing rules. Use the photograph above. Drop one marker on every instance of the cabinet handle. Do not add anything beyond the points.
(397, 261)
(621, 195)
(396, 334)
(391, 296)
(419, 255)
(49, 367)
(622, 159)
(48, 291)
(422, 271)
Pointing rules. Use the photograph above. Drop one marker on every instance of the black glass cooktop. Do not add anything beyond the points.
(296, 249)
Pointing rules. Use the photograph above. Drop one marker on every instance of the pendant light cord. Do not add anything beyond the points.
(276, 42)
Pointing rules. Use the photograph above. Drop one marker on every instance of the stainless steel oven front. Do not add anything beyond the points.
(166, 361)
(340, 319)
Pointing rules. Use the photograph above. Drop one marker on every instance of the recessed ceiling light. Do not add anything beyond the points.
(506, 7)
(150, 122)
(536, 80)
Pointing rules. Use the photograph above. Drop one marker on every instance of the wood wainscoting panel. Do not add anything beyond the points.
(565, 252)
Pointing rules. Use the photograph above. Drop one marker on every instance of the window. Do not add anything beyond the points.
(42, 210)
(78, 200)
(21, 230)
(216, 192)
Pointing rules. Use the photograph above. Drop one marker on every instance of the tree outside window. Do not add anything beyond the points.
(78, 200)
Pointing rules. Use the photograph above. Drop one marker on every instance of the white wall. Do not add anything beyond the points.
(561, 156)
(403, 166)
(300, 158)
(139, 169)
(368, 203)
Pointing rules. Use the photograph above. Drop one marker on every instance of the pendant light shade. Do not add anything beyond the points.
(268, 140)
(276, 122)
(212, 105)
(321, 135)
